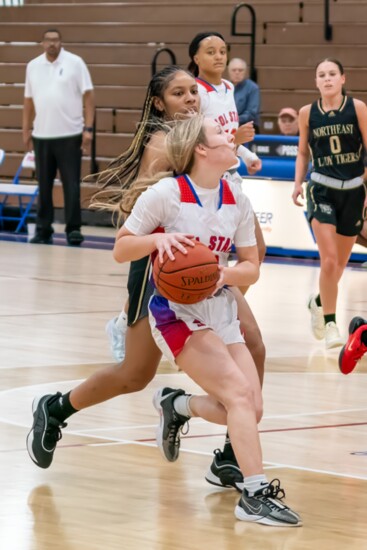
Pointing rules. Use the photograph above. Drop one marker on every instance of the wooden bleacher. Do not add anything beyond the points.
(118, 40)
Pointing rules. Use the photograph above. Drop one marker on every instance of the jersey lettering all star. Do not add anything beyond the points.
(217, 102)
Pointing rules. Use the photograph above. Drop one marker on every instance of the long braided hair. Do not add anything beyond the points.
(182, 136)
(124, 170)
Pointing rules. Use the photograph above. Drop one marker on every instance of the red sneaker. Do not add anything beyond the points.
(354, 349)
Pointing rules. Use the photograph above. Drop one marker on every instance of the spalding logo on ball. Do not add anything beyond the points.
(189, 278)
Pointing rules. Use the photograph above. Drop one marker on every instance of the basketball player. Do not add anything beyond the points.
(334, 128)
(208, 54)
(204, 339)
(171, 92)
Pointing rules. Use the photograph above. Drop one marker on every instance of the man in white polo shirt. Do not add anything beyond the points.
(57, 85)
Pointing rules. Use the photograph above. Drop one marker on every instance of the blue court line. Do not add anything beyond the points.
(59, 239)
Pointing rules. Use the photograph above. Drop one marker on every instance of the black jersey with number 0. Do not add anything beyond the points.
(335, 141)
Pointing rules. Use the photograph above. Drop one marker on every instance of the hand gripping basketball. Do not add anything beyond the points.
(189, 278)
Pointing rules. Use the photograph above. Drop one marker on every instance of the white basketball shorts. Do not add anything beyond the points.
(172, 324)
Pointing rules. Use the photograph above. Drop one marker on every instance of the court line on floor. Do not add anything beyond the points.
(148, 441)
(91, 432)
(88, 432)
(267, 465)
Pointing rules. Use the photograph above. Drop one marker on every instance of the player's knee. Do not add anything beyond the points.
(221, 414)
(132, 380)
(241, 396)
(329, 265)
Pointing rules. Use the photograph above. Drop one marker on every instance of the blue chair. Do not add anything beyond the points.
(26, 194)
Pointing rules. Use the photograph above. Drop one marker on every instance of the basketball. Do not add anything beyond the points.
(189, 278)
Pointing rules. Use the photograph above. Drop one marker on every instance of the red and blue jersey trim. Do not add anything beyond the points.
(209, 87)
(189, 195)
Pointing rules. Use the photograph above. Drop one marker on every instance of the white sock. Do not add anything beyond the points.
(254, 483)
(182, 405)
(121, 321)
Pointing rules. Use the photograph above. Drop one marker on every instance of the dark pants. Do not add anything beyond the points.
(63, 154)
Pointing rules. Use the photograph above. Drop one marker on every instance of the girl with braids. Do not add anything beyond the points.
(172, 91)
(334, 131)
(198, 205)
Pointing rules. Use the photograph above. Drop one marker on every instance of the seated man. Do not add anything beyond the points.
(355, 347)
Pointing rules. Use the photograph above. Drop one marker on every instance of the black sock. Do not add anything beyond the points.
(331, 318)
(228, 453)
(318, 300)
(61, 408)
(364, 337)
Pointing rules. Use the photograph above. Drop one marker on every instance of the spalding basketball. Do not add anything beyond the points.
(189, 278)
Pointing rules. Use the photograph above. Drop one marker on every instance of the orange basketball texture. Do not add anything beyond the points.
(189, 278)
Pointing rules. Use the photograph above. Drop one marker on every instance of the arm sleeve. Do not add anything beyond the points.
(28, 87)
(85, 80)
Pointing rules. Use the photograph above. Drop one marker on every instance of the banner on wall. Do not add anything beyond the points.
(285, 227)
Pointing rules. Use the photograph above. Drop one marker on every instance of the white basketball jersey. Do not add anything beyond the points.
(171, 323)
(214, 229)
(218, 102)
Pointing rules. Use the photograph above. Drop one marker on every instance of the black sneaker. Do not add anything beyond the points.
(171, 423)
(41, 239)
(74, 238)
(224, 472)
(264, 507)
(45, 432)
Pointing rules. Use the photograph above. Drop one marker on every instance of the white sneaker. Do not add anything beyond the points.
(317, 318)
(332, 336)
(116, 333)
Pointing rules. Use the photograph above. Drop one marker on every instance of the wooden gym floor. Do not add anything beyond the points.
(108, 487)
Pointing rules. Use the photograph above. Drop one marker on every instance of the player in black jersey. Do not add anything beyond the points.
(334, 130)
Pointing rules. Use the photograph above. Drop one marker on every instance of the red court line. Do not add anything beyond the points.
(273, 430)
(152, 440)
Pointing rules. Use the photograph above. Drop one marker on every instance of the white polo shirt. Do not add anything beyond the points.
(57, 91)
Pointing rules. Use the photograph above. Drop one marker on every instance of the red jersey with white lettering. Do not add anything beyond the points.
(217, 102)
